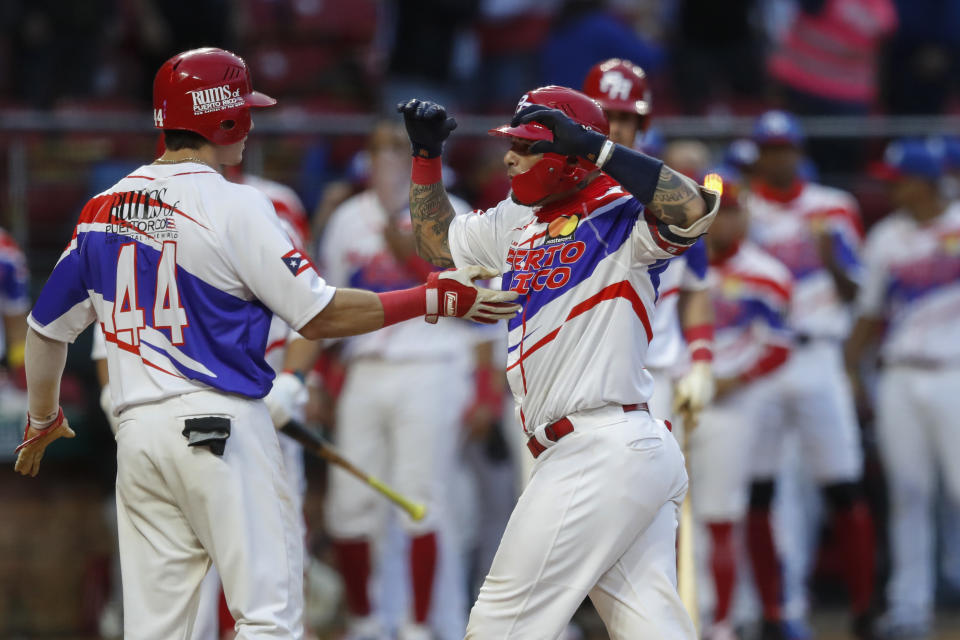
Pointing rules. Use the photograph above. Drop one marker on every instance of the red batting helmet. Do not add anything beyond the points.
(554, 172)
(619, 85)
(207, 91)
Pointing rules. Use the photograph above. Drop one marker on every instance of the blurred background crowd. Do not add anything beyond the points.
(75, 93)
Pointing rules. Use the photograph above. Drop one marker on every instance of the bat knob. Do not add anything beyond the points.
(418, 512)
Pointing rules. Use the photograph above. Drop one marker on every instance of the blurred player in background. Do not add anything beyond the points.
(388, 419)
(750, 293)
(183, 271)
(14, 305)
(683, 318)
(816, 232)
(599, 514)
(910, 301)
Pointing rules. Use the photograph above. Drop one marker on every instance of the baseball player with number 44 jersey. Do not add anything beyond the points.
(911, 297)
(585, 220)
(184, 271)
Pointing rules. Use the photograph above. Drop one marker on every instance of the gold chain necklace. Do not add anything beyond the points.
(190, 159)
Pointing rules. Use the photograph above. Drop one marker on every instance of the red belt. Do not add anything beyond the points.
(563, 427)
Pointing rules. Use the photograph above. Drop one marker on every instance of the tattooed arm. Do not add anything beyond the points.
(431, 213)
(677, 199)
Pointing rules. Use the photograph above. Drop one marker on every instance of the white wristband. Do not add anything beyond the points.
(605, 152)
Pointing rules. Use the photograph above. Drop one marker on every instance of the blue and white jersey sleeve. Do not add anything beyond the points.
(279, 275)
(64, 309)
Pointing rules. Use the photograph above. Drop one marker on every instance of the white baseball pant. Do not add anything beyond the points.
(207, 626)
(598, 518)
(721, 448)
(918, 429)
(180, 507)
(811, 395)
(399, 421)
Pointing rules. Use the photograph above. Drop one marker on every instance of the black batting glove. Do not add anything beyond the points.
(569, 138)
(428, 125)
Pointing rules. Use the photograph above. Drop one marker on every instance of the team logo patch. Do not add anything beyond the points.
(951, 243)
(562, 229)
(616, 85)
(296, 262)
(145, 212)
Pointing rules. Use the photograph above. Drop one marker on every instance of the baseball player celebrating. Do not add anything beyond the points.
(750, 293)
(599, 514)
(912, 289)
(184, 271)
(815, 231)
(683, 317)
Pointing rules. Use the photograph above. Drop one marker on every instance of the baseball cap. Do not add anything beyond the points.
(777, 127)
(910, 157)
(740, 153)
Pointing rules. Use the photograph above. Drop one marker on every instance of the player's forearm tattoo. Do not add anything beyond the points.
(431, 213)
(677, 200)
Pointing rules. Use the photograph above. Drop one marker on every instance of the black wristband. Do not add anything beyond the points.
(638, 173)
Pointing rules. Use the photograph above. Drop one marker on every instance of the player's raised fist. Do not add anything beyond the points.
(569, 138)
(453, 293)
(428, 125)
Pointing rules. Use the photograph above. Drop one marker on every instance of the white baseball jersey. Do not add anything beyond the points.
(913, 281)
(14, 277)
(751, 292)
(786, 226)
(355, 254)
(587, 282)
(684, 273)
(184, 271)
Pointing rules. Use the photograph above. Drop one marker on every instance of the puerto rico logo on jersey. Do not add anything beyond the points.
(215, 99)
(562, 229)
(297, 262)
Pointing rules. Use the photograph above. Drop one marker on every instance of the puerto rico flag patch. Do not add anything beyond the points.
(297, 262)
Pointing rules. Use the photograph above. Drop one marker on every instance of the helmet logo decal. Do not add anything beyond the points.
(616, 85)
(215, 99)
(524, 102)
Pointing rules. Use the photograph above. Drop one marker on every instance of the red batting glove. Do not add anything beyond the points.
(453, 293)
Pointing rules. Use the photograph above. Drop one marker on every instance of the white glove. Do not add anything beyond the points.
(287, 399)
(453, 293)
(695, 389)
(106, 403)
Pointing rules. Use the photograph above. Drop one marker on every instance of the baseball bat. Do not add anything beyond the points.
(686, 570)
(319, 447)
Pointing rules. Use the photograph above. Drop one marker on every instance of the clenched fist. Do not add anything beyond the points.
(428, 125)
